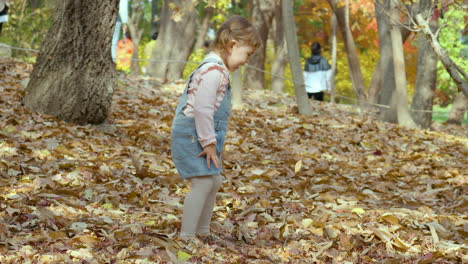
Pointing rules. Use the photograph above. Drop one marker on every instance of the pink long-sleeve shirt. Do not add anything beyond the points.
(204, 96)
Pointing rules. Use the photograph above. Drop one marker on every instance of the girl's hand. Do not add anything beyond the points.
(210, 152)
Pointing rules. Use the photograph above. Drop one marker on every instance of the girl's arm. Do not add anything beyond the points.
(211, 87)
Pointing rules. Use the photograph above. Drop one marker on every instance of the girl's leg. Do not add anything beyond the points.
(205, 218)
(194, 203)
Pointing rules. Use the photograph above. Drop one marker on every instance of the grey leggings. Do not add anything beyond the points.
(199, 204)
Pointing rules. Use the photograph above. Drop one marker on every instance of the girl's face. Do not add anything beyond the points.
(238, 55)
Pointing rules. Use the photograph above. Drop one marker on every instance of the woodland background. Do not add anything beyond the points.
(314, 22)
(85, 169)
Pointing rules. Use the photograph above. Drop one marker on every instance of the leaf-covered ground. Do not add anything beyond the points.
(337, 187)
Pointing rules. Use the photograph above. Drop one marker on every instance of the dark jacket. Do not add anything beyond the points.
(316, 63)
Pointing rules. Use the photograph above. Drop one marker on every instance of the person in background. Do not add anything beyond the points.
(3, 13)
(317, 73)
(122, 22)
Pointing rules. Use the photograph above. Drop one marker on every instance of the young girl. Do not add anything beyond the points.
(201, 120)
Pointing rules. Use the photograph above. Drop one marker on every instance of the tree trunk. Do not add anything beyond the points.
(34, 4)
(154, 19)
(262, 17)
(278, 67)
(403, 115)
(385, 49)
(333, 55)
(376, 82)
(135, 63)
(136, 33)
(454, 70)
(279, 63)
(426, 75)
(459, 107)
(175, 41)
(74, 76)
(294, 59)
(353, 60)
(203, 30)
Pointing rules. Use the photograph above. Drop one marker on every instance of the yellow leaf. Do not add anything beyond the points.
(400, 243)
(390, 219)
(383, 234)
(108, 206)
(170, 217)
(150, 223)
(298, 166)
(57, 235)
(285, 255)
(307, 222)
(41, 154)
(246, 189)
(10, 129)
(182, 256)
(358, 211)
(82, 253)
(258, 172)
(6, 150)
(316, 231)
(156, 167)
(89, 240)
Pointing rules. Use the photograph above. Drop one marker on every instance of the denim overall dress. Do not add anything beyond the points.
(184, 140)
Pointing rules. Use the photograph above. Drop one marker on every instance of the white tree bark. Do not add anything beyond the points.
(136, 32)
(281, 59)
(294, 59)
(403, 115)
(426, 74)
(351, 51)
(459, 107)
(334, 26)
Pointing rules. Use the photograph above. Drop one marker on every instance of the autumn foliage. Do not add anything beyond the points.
(337, 187)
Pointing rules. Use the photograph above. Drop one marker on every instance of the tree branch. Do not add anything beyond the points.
(453, 69)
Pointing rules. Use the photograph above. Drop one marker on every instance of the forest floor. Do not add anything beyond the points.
(335, 187)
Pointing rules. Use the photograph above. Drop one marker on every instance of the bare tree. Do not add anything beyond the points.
(138, 9)
(294, 59)
(73, 78)
(203, 28)
(351, 51)
(175, 41)
(458, 75)
(280, 60)
(403, 115)
(426, 74)
(262, 17)
(333, 55)
(380, 81)
(459, 107)
(386, 94)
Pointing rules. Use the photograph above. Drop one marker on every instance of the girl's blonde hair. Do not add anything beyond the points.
(239, 29)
